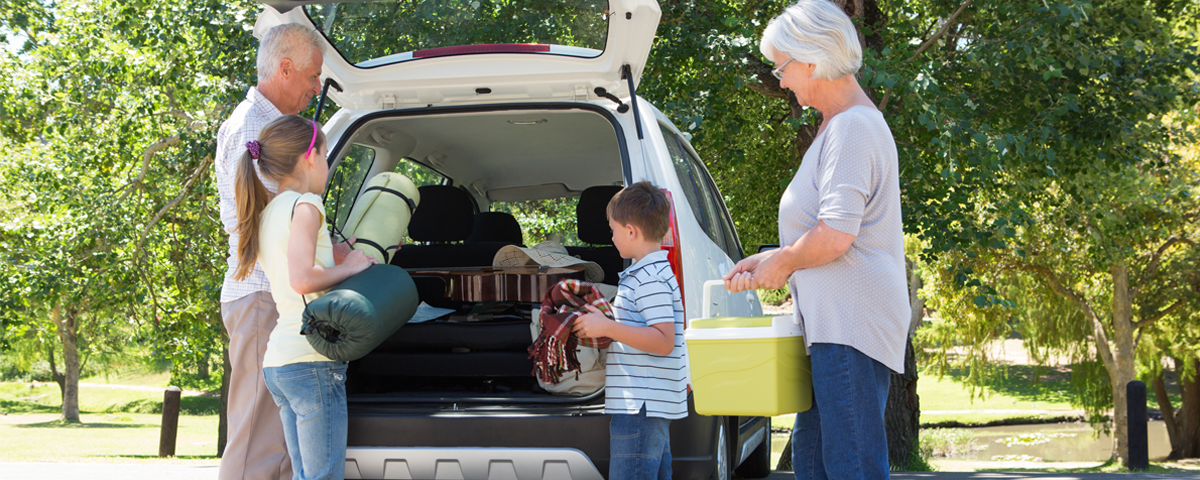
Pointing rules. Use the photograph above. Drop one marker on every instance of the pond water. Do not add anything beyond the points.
(1056, 442)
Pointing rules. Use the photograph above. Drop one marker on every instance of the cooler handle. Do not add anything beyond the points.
(706, 299)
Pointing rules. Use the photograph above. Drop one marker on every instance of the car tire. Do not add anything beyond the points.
(758, 464)
(723, 463)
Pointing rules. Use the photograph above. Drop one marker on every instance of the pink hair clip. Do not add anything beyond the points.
(254, 148)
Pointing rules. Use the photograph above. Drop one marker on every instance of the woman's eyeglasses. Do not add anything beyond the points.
(778, 71)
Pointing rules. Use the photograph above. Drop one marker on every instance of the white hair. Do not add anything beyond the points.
(816, 32)
(290, 40)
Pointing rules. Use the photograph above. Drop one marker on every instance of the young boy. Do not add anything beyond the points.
(647, 370)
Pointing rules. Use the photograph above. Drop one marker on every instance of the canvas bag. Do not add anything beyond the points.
(587, 380)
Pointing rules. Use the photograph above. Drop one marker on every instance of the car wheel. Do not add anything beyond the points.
(758, 464)
(722, 467)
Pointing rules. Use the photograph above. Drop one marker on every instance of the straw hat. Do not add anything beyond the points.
(548, 253)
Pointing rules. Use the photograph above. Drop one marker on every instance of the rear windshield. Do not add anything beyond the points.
(377, 33)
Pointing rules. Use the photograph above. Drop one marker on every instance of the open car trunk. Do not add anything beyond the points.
(477, 353)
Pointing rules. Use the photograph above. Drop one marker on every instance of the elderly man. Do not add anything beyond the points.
(289, 74)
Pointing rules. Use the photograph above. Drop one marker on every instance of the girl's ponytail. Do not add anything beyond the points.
(251, 200)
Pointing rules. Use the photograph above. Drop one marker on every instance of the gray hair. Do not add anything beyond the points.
(290, 40)
(816, 32)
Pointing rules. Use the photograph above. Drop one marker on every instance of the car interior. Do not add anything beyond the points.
(468, 163)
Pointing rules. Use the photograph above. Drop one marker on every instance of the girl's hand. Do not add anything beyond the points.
(592, 324)
(357, 261)
(340, 250)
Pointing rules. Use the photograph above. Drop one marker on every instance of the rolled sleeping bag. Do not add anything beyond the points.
(381, 214)
(357, 315)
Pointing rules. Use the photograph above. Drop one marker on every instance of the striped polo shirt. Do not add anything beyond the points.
(648, 294)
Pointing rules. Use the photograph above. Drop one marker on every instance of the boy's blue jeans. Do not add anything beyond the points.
(639, 447)
(312, 404)
(842, 436)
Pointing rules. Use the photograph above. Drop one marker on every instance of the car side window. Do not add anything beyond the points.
(347, 179)
(715, 205)
(419, 174)
(692, 179)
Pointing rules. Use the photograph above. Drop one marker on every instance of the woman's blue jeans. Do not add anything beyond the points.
(639, 447)
(842, 436)
(312, 404)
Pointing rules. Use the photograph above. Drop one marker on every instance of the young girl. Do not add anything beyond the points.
(286, 234)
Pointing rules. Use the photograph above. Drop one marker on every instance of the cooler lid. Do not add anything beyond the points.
(732, 322)
(742, 328)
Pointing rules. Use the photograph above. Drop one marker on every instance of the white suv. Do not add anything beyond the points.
(488, 105)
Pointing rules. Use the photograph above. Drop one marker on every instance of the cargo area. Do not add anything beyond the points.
(470, 189)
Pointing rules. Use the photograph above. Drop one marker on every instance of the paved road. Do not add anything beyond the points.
(90, 471)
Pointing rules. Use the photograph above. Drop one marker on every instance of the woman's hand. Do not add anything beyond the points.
(741, 276)
(771, 273)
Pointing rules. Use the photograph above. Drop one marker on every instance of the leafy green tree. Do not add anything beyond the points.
(107, 172)
(1035, 147)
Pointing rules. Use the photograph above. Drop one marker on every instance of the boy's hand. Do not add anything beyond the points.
(592, 324)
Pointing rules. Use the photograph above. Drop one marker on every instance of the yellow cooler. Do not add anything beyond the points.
(748, 366)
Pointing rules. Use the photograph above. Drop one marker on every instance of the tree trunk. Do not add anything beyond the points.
(1120, 367)
(1168, 414)
(223, 416)
(902, 417)
(1189, 413)
(914, 299)
(68, 335)
(202, 368)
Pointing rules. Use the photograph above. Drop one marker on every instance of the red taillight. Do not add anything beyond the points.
(483, 48)
(671, 245)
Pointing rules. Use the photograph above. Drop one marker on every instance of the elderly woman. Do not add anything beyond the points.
(842, 252)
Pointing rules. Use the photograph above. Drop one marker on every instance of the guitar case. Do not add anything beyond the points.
(381, 214)
(358, 314)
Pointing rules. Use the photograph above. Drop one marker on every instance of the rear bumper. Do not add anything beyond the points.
(563, 442)
(482, 463)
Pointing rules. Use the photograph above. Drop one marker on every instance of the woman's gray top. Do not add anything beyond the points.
(849, 179)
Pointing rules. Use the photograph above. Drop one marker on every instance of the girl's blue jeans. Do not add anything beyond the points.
(842, 436)
(639, 447)
(312, 404)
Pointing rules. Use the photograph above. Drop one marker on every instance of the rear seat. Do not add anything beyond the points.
(591, 217)
(445, 223)
(496, 227)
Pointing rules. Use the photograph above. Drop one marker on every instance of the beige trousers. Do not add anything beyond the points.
(255, 447)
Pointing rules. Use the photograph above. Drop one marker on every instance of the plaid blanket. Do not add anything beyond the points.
(553, 352)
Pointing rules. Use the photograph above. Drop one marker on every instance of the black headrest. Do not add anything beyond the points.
(445, 215)
(495, 227)
(591, 215)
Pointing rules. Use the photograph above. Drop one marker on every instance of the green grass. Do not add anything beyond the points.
(1019, 390)
(140, 379)
(47, 398)
(39, 437)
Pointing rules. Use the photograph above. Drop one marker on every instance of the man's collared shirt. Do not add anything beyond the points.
(249, 118)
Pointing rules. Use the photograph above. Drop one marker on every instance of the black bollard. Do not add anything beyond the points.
(1139, 454)
(170, 422)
